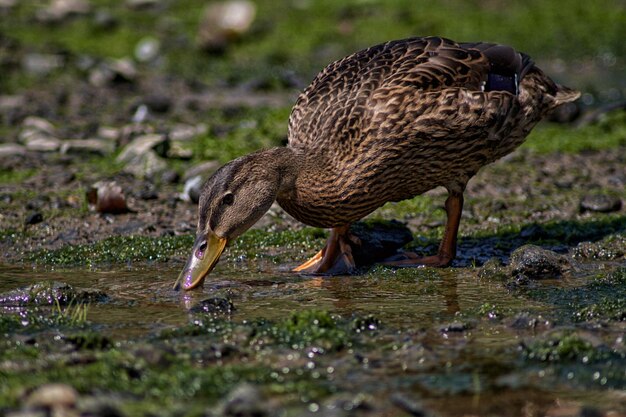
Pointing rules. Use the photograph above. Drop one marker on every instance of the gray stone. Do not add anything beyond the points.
(147, 49)
(9, 103)
(145, 165)
(203, 169)
(183, 133)
(534, 262)
(59, 10)
(87, 147)
(11, 149)
(53, 396)
(7, 4)
(42, 143)
(245, 400)
(142, 145)
(108, 133)
(601, 203)
(141, 114)
(39, 135)
(124, 68)
(179, 151)
(223, 22)
(121, 70)
(39, 124)
(41, 64)
(191, 190)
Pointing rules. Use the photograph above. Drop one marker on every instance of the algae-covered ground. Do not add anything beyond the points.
(529, 320)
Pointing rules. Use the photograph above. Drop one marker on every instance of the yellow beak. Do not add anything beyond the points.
(204, 256)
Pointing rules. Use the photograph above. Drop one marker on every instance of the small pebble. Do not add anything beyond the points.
(600, 203)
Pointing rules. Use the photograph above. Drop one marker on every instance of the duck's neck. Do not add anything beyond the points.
(292, 165)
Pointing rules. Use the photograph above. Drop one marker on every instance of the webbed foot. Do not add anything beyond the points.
(335, 258)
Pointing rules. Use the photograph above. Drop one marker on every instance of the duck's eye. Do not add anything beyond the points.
(228, 199)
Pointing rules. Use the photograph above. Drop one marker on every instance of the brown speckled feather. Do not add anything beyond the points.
(398, 119)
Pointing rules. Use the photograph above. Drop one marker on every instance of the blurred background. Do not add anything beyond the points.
(197, 83)
(88, 63)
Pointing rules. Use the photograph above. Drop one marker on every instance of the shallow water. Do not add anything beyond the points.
(479, 370)
(142, 300)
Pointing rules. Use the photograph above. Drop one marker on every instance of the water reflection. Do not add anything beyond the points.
(142, 300)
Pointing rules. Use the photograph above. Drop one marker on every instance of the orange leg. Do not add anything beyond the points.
(335, 258)
(447, 248)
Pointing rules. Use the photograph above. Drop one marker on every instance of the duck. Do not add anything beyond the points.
(382, 125)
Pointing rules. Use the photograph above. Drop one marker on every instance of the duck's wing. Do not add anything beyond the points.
(396, 82)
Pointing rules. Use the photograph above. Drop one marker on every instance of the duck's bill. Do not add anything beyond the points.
(204, 256)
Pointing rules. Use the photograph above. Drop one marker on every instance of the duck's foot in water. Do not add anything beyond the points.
(360, 245)
(336, 257)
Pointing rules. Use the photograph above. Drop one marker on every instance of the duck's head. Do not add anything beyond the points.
(234, 198)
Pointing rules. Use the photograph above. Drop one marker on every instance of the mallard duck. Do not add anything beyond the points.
(383, 124)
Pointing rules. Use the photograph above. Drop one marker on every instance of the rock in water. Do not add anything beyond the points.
(534, 262)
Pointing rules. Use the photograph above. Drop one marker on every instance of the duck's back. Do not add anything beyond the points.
(399, 118)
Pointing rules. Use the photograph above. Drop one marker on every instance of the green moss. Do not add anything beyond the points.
(117, 249)
(10, 176)
(608, 133)
(615, 278)
(305, 328)
(491, 311)
(38, 319)
(119, 372)
(89, 340)
(421, 205)
(302, 329)
(259, 243)
(568, 232)
(333, 29)
(406, 275)
(612, 247)
(565, 347)
(241, 131)
(608, 308)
